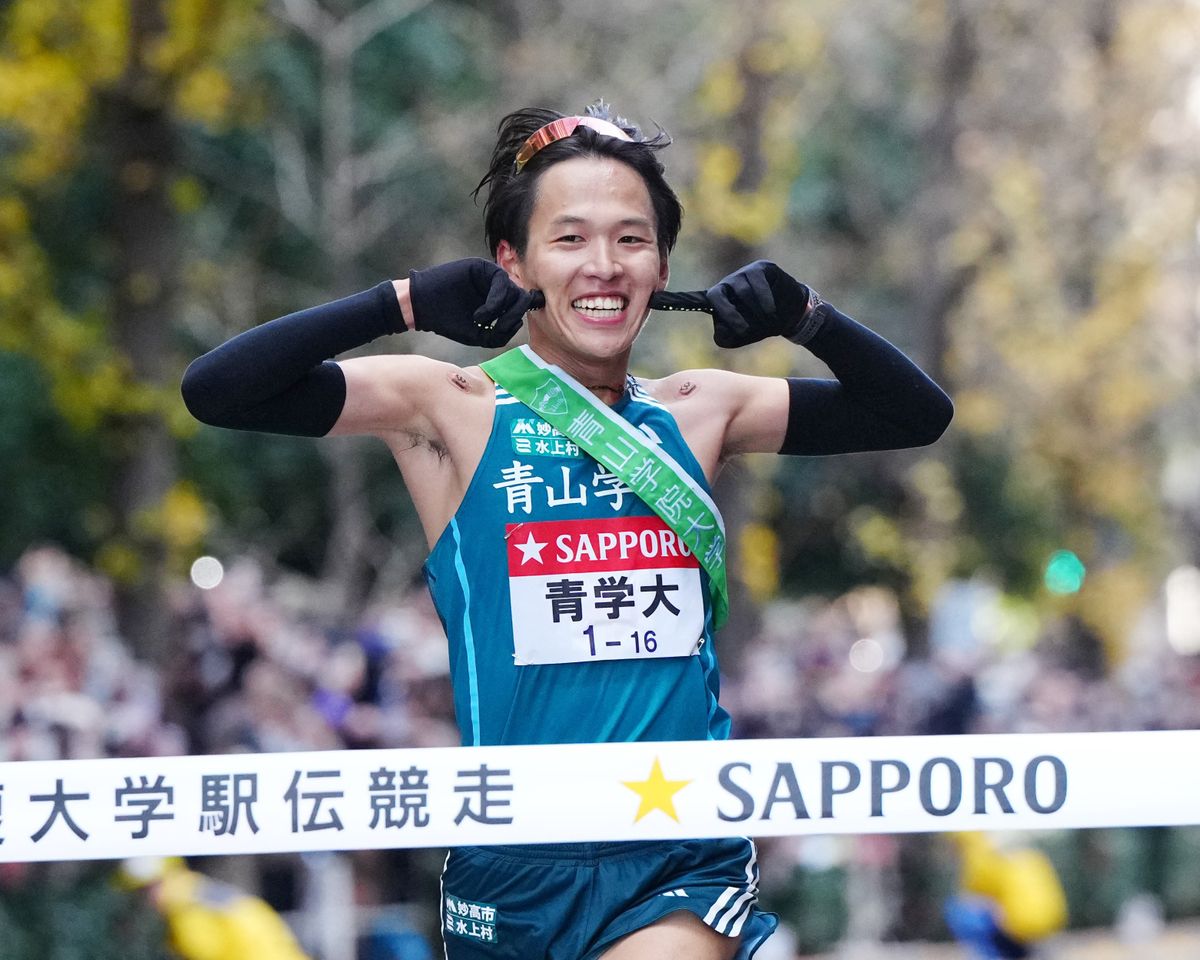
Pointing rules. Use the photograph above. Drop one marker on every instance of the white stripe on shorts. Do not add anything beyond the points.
(442, 908)
(731, 924)
(719, 905)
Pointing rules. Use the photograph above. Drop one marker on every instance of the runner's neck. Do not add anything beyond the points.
(606, 379)
(607, 394)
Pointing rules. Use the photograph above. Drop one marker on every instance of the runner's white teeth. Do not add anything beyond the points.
(604, 305)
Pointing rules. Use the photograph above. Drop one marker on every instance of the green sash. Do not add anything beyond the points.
(650, 472)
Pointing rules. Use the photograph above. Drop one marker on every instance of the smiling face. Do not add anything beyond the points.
(593, 251)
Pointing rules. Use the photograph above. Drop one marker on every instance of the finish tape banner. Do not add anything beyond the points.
(352, 799)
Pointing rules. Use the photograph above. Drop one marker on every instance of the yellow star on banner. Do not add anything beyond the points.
(657, 792)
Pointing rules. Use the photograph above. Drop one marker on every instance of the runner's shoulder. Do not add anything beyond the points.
(424, 374)
(703, 384)
(406, 393)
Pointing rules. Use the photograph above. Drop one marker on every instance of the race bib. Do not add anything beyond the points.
(619, 588)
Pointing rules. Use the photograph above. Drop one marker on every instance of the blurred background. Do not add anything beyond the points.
(1007, 189)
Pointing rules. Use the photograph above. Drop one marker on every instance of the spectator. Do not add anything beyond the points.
(207, 919)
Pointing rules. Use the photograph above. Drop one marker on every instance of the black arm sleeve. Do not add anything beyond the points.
(277, 378)
(880, 400)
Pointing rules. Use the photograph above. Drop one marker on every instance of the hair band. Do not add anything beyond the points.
(564, 127)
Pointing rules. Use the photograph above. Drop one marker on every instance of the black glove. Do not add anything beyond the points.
(472, 301)
(751, 304)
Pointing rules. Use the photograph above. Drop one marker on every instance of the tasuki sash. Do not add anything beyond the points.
(649, 472)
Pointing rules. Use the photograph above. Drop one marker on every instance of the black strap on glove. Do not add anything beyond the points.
(472, 301)
(758, 301)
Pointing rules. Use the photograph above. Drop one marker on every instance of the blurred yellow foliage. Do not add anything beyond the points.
(93, 34)
(53, 55)
(56, 59)
(758, 561)
(119, 560)
(931, 563)
(1111, 600)
(932, 479)
(202, 37)
(688, 348)
(56, 56)
(185, 519)
(205, 94)
(750, 216)
(43, 100)
(1128, 398)
(879, 537)
(722, 89)
(14, 216)
(768, 55)
(187, 194)
(1054, 338)
(978, 411)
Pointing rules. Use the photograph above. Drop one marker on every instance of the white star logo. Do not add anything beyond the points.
(531, 549)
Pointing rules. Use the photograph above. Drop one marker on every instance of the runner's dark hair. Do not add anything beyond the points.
(511, 194)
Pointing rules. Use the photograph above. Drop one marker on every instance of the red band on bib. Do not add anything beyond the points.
(550, 547)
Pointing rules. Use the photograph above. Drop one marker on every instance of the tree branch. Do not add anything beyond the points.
(379, 163)
(221, 169)
(364, 23)
(296, 200)
(307, 16)
(368, 225)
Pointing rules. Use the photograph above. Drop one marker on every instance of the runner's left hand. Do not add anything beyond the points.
(758, 301)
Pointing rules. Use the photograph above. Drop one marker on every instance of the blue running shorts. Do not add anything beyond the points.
(573, 901)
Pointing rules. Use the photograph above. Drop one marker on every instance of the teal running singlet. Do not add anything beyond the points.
(573, 612)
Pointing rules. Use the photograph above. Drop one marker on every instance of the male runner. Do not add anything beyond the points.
(564, 561)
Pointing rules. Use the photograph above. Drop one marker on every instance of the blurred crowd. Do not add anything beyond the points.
(248, 670)
(253, 667)
(846, 668)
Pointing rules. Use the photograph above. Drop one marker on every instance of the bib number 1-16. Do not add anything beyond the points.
(642, 640)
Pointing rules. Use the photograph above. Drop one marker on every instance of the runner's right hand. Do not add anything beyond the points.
(471, 301)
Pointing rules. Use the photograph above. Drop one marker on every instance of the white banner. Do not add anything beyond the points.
(341, 800)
